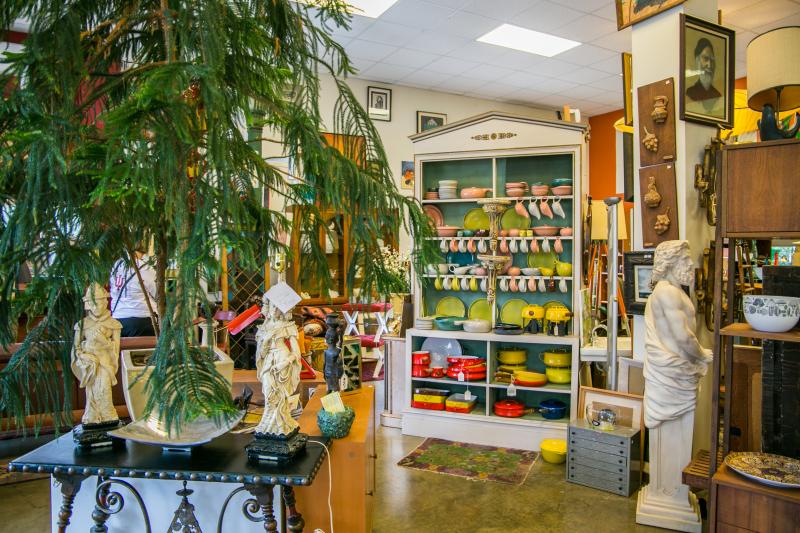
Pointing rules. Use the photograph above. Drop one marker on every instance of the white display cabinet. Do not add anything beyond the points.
(489, 151)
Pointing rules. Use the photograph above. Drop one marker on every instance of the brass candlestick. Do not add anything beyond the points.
(494, 208)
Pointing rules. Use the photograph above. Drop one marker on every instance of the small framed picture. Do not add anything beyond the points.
(379, 102)
(707, 70)
(633, 11)
(427, 120)
(407, 175)
(638, 269)
(628, 407)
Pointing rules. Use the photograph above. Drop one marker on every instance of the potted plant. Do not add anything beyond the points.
(125, 122)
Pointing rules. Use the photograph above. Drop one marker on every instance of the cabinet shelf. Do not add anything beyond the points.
(550, 387)
(525, 338)
(511, 198)
(741, 329)
(448, 381)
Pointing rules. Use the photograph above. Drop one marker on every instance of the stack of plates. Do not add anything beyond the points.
(448, 189)
(424, 323)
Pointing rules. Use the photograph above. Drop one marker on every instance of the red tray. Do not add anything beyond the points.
(465, 410)
(427, 405)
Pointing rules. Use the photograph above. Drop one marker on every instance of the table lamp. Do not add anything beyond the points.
(773, 79)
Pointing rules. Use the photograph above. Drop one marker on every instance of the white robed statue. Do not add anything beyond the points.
(95, 356)
(674, 363)
(278, 368)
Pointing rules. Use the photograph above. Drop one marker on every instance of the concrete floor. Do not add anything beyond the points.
(422, 502)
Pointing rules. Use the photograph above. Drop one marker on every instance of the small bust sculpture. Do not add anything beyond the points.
(278, 368)
(95, 356)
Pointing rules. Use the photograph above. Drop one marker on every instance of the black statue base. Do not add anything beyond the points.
(280, 449)
(88, 436)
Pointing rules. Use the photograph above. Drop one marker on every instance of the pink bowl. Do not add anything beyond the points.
(565, 232)
(447, 231)
(516, 193)
(539, 190)
(515, 184)
(545, 231)
(562, 190)
(474, 192)
(513, 232)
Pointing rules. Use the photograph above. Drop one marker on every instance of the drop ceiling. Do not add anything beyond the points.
(431, 44)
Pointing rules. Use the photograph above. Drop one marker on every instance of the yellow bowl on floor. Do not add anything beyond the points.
(554, 450)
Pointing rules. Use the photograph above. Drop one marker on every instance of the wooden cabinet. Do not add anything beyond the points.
(352, 463)
(744, 505)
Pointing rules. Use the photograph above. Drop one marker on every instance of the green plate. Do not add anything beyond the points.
(543, 260)
(450, 306)
(476, 219)
(511, 312)
(480, 309)
(513, 220)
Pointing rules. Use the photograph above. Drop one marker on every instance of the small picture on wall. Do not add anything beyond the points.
(707, 72)
(379, 101)
(633, 11)
(641, 280)
(427, 121)
(407, 175)
(638, 269)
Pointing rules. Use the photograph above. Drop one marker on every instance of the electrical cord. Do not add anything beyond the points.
(330, 484)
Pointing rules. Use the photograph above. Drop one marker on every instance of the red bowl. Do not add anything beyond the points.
(420, 372)
(421, 357)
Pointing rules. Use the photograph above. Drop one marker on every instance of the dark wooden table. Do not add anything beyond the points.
(221, 460)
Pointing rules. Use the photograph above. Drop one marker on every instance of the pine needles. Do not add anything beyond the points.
(128, 124)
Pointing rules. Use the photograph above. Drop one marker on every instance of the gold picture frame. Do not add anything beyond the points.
(632, 11)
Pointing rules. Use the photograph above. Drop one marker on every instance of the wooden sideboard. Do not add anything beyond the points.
(744, 506)
(352, 464)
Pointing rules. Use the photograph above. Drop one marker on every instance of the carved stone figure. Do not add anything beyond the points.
(278, 369)
(675, 361)
(659, 113)
(652, 197)
(95, 356)
(662, 222)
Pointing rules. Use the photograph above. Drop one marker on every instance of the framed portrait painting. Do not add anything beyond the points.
(708, 55)
(379, 103)
(427, 120)
(628, 407)
(633, 11)
(638, 268)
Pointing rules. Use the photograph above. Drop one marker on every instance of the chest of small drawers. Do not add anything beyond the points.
(605, 460)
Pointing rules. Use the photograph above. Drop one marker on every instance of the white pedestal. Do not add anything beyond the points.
(666, 502)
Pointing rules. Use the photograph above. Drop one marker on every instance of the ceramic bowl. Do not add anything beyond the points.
(444, 268)
(474, 192)
(558, 375)
(774, 314)
(545, 231)
(562, 190)
(565, 232)
(528, 271)
(515, 192)
(519, 184)
(514, 271)
(562, 181)
(563, 269)
(552, 409)
(544, 271)
(554, 450)
(539, 190)
(447, 231)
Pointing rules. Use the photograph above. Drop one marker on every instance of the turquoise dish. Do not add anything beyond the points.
(561, 181)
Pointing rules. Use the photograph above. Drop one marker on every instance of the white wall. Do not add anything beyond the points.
(406, 101)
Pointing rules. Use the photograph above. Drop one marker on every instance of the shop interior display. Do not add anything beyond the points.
(675, 362)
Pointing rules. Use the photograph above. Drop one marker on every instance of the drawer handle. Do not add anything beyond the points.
(373, 456)
(370, 493)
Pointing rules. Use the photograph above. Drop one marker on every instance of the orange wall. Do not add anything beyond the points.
(603, 155)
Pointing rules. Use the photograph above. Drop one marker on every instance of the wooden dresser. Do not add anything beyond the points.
(353, 467)
(746, 506)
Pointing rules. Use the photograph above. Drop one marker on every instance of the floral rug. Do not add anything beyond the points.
(472, 461)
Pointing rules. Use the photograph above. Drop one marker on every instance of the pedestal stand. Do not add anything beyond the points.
(666, 502)
(95, 435)
(276, 448)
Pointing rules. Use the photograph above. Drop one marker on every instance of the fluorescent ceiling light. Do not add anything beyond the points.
(525, 40)
(366, 8)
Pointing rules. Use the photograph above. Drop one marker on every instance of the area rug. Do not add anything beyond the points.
(471, 461)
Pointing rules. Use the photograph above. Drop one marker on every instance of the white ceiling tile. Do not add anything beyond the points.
(498, 90)
(470, 25)
(619, 41)
(553, 67)
(525, 80)
(488, 72)
(607, 11)
(451, 65)
(552, 100)
(583, 75)
(418, 14)
(793, 20)
(612, 65)
(361, 65)
(477, 51)
(612, 83)
(390, 33)
(729, 6)
(425, 78)
(587, 6)
(517, 60)
(763, 13)
(583, 92)
(741, 69)
(460, 84)
(385, 72)
(410, 58)
(586, 28)
(503, 10)
(448, 3)
(528, 94)
(358, 49)
(435, 42)
(357, 25)
(553, 85)
(546, 17)
(586, 54)
(608, 97)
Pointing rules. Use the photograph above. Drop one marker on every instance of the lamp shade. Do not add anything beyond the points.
(773, 62)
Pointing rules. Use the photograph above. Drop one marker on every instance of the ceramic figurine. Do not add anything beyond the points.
(650, 141)
(95, 359)
(769, 129)
(278, 367)
(662, 222)
(659, 113)
(652, 198)
(674, 363)
(334, 367)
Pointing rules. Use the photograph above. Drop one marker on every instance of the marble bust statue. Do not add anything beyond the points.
(674, 363)
(95, 357)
